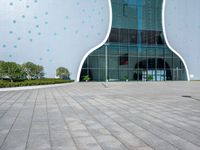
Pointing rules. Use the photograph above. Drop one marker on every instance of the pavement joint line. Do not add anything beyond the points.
(7, 98)
(64, 120)
(162, 119)
(143, 128)
(126, 128)
(51, 145)
(19, 94)
(156, 124)
(149, 108)
(29, 94)
(26, 146)
(83, 121)
(116, 123)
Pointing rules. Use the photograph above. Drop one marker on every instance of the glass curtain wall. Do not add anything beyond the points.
(136, 49)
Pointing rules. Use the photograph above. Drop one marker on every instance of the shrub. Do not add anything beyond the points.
(86, 78)
(4, 83)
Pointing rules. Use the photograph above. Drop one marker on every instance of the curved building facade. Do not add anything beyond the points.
(136, 48)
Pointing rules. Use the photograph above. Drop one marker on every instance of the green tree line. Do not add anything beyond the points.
(14, 71)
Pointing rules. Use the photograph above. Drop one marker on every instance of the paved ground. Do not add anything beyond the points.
(91, 116)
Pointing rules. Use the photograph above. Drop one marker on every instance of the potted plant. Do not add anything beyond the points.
(149, 78)
(126, 78)
(86, 78)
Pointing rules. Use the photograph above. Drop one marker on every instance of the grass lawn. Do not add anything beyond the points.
(5, 83)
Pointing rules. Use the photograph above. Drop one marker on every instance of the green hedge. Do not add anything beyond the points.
(4, 83)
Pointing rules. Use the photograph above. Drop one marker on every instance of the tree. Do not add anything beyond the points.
(62, 73)
(10, 70)
(39, 72)
(28, 69)
(32, 70)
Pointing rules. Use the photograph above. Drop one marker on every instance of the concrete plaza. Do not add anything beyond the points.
(95, 116)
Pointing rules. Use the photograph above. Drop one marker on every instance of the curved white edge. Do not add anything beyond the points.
(98, 46)
(167, 42)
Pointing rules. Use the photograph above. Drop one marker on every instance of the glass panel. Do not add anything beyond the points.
(168, 53)
(113, 75)
(160, 52)
(142, 52)
(94, 74)
(168, 63)
(123, 74)
(101, 62)
(113, 50)
(124, 36)
(114, 36)
(151, 52)
(93, 62)
(113, 62)
(133, 51)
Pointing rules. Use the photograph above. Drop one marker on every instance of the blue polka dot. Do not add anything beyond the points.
(4, 45)
(30, 40)
(11, 4)
(29, 31)
(23, 16)
(39, 33)
(55, 34)
(11, 32)
(37, 26)
(10, 55)
(48, 50)
(35, 1)
(27, 6)
(76, 32)
(46, 22)
(40, 58)
(15, 46)
(14, 21)
(35, 17)
(46, 13)
(18, 38)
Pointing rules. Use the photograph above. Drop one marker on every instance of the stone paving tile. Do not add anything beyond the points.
(92, 116)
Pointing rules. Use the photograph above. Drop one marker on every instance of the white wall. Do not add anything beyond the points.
(51, 33)
(182, 24)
